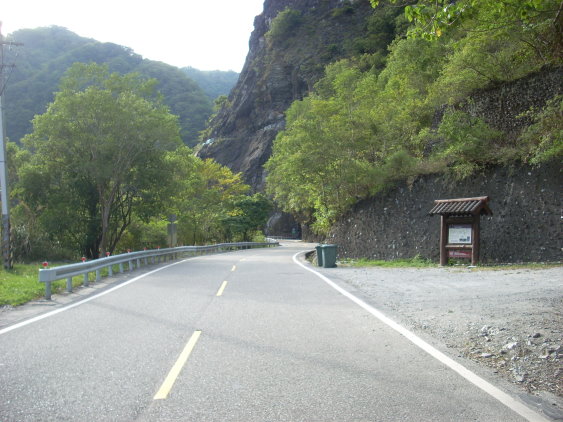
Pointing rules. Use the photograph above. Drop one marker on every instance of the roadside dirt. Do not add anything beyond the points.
(509, 320)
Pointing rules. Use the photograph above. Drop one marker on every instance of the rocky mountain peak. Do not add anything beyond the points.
(280, 68)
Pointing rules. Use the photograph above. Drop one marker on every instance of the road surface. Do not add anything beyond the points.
(242, 336)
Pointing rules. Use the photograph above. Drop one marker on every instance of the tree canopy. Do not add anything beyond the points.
(433, 18)
(364, 127)
(48, 52)
(99, 153)
(105, 168)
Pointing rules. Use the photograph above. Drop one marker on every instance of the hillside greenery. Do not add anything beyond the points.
(48, 52)
(105, 167)
(368, 122)
(215, 83)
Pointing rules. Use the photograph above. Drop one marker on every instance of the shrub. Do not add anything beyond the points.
(283, 24)
(543, 140)
(346, 9)
(468, 142)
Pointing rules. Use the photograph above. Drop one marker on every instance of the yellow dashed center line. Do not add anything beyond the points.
(177, 368)
(222, 288)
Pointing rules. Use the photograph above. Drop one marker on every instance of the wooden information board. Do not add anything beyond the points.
(460, 227)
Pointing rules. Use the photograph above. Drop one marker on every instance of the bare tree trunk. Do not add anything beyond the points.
(105, 211)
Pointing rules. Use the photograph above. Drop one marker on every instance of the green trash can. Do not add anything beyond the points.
(329, 256)
(319, 255)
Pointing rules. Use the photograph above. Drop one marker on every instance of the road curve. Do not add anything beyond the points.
(241, 336)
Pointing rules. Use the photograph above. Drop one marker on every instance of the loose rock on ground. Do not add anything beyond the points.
(510, 320)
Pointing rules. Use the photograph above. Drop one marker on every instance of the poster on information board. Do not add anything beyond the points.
(459, 234)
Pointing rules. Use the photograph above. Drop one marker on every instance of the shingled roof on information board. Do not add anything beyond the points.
(462, 206)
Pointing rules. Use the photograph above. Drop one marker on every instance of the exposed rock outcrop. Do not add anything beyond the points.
(275, 74)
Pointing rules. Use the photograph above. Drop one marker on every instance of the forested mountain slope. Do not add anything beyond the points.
(213, 82)
(291, 44)
(359, 98)
(48, 52)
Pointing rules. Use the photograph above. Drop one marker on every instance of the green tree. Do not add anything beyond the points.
(282, 25)
(468, 143)
(543, 139)
(323, 161)
(206, 193)
(250, 214)
(100, 151)
(433, 18)
(48, 52)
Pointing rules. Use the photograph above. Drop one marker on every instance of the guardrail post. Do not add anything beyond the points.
(138, 262)
(98, 276)
(85, 280)
(69, 284)
(110, 271)
(48, 290)
(146, 261)
(130, 265)
(121, 267)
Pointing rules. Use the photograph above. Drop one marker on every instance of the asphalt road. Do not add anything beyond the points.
(273, 343)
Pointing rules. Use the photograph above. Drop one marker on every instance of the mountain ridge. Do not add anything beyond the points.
(47, 53)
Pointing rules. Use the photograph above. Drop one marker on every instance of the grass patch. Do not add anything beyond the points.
(416, 262)
(524, 266)
(21, 284)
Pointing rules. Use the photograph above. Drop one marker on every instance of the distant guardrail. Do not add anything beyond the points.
(134, 260)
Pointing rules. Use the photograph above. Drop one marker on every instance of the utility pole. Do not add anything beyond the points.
(5, 70)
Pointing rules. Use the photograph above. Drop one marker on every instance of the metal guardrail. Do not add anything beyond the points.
(134, 260)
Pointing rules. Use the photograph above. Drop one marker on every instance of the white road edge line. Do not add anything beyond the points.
(82, 302)
(487, 387)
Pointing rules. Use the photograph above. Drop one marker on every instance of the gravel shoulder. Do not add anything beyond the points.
(508, 320)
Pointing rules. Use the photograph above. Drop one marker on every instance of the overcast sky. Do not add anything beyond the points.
(205, 34)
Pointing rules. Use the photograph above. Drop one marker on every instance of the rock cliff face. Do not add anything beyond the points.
(276, 73)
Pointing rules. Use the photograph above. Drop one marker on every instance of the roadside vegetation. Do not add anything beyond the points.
(21, 284)
(416, 262)
(105, 170)
(369, 122)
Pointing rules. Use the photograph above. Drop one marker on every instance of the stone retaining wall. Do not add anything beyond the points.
(526, 201)
(526, 225)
